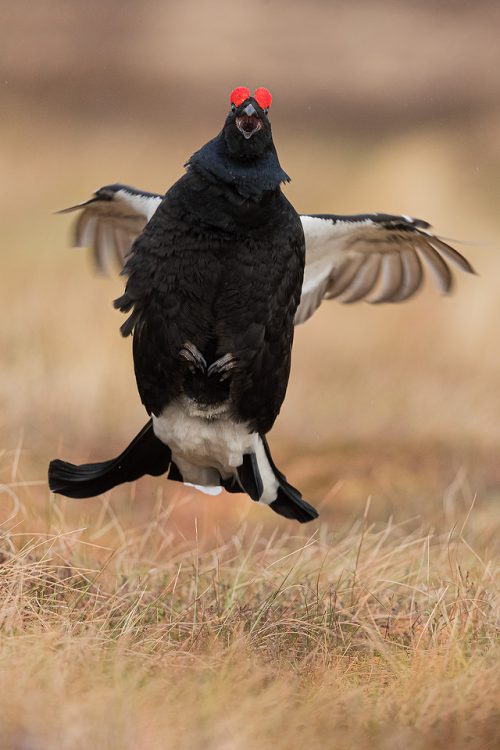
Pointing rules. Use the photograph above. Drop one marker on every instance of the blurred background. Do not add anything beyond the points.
(378, 106)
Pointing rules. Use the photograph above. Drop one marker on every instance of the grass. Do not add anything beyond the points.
(128, 634)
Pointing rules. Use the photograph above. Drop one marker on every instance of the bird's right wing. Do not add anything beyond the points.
(111, 221)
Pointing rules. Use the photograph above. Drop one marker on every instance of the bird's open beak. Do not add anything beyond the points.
(249, 122)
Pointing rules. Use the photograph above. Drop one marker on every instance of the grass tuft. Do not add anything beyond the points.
(128, 634)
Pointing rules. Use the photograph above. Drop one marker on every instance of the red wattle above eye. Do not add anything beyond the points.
(263, 97)
(239, 95)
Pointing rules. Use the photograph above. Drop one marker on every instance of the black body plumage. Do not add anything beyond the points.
(220, 264)
(214, 282)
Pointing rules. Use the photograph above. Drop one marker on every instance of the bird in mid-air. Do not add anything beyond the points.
(220, 269)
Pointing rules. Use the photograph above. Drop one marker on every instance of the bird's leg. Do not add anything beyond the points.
(223, 366)
(194, 358)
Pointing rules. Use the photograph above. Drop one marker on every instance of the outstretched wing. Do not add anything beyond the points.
(110, 222)
(371, 257)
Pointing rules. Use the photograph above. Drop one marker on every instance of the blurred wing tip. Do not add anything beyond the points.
(99, 270)
(470, 269)
(451, 254)
(76, 207)
(470, 243)
(69, 210)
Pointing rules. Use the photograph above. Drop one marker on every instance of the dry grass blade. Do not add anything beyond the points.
(139, 644)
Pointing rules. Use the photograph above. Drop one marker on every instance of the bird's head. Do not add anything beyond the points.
(243, 155)
(247, 130)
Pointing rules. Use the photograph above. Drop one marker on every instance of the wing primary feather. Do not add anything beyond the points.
(390, 279)
(437, 266)
(364, 280)
(451, 254)
(345, 277)
(87, 231)
(120, 246)
(79, 230)
(412, 273)
(100, 247)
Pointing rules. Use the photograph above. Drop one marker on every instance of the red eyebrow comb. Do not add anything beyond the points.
(239, 95)
(263, 97)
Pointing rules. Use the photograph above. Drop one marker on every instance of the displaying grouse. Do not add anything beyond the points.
(215, 275)
(214, 282)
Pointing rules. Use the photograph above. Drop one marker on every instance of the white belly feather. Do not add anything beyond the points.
(204, 447)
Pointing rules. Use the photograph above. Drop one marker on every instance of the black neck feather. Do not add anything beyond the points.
(250, 178)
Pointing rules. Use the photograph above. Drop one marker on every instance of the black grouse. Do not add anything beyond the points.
(214, 272)
(214, 282)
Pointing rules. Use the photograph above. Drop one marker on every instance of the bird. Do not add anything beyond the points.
(219, 271)
(213, 284)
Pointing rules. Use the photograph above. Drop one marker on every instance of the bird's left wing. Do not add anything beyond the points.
(371, 257)
(111, 221)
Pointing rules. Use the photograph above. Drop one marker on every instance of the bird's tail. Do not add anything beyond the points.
(146, 454)
(288, 503)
